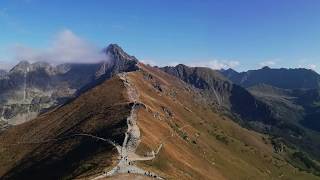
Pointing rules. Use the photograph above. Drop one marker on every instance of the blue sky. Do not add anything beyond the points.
(243, 34)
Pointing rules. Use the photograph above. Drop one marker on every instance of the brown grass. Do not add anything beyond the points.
(204, 145)
(101, 111)
(210, 146)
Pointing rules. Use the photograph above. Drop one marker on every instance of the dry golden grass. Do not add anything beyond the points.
(205, 145)
(102, 111)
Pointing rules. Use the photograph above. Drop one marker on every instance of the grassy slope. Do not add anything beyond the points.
(210, 146)
(204, 145)
(102, 111)
(292, 107)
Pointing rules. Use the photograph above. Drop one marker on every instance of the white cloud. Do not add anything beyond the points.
(66, 47)
(309, 66)
(216, 64)
(267, 63)
(4, 65)
(312, 66)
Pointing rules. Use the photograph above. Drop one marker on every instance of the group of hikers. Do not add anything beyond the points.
(130, 163)
(149, 174)
(146, 174)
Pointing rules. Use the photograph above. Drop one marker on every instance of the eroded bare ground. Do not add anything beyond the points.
(127, 151)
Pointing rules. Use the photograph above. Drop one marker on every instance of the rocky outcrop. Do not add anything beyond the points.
(119, 61)
(204, 78)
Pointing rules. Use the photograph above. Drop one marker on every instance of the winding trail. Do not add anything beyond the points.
(118, 147)
(127, 153)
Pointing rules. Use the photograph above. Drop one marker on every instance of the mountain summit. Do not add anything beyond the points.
(118, 54)
(119, 61)
(22, 66)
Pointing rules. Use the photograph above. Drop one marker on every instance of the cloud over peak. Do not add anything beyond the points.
(267, 63)
(66, 47)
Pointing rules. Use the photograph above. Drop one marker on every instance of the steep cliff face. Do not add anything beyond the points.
(204, 78)
(223, 92)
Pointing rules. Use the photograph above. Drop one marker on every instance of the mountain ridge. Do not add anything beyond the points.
(298, 78)
(198, 143)
(140, 121)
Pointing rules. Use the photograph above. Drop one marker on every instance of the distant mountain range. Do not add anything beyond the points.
(292, 94)
(293, 97)
(222, 92)
(122, 118)
(281, 78)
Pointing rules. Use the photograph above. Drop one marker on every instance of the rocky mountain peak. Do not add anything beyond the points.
(22, 66)
(25, 66)
(266, 67)
(115, 52)
(117, 61)
(41, 64)
(228, 72)
(114, 47)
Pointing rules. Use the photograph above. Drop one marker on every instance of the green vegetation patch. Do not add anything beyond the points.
(305, 163)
